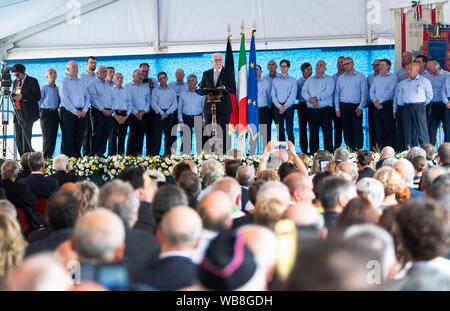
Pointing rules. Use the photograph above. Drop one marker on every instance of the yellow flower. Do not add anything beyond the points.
(121, 165)
(128, 158)
(93, 167)
(152, 166)
(72, 160)
(44, 171)
(154, 159)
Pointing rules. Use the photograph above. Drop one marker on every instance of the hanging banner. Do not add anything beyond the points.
(436, 44)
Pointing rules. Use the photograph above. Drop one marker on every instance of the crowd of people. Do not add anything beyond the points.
(96, 112)
(285, 225)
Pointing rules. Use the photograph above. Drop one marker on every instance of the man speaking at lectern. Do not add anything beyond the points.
(217, 77)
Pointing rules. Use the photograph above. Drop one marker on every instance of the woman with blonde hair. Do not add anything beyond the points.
(393, 184)
(89, 193)
(12, 244)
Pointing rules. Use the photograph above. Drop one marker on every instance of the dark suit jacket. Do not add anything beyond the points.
(422, 279)
(145, 222)
(367, 172)
(331, 219)
(31, 94)
(40, 186)
(49, 243)
(62, 177)
(225, 79)
(141, 251)
(248, 219)
(23, 174)
(171, 273)
(244, 198)
(18, 194)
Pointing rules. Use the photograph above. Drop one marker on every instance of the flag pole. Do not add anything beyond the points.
(241, 138)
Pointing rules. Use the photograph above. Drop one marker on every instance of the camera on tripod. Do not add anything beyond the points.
(5, 79)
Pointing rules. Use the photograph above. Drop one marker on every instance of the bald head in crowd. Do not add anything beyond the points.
(231, 187)
(274, 190)
(99, 237)
(215, 210)
(180, 230)
(407, 170)
(300, 188)
(387, 152)
(349, 168)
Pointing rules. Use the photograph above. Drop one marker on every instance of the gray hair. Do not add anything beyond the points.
(376, 238)
(353, 173)
(245, 175)
(274, 190)
(389, 162)
(430, 175)
(373, 189)
(10, 169)
(98, 240)
(415, 152)
(341, 154)
(211, 171)
(100, 67)
(60, 162)
(9, 208)
(230, 186)
(35, 161)
(119, 197)
(192, 76)
(158, 176)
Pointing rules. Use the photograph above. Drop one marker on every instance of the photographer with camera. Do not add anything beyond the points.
(26, 94)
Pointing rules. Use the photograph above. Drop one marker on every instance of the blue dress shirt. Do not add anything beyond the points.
(140, 97)
(383, 87)
(100, 94)
(164, 99)
(49, 97)
(191, 104)
(322, 88)
(86, 77)
(418, 90)
(284, 90)
(178, 88)
(351, 89)
(300, 83)
(437, 82)
(121, 99)
(73, 94)
(264, 93)
(445, 92)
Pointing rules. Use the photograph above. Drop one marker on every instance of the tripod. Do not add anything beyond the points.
(5, 100)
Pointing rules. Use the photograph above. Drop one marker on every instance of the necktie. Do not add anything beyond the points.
(216, 77)
(19, 88)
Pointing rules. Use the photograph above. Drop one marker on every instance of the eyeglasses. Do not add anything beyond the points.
(345, 64)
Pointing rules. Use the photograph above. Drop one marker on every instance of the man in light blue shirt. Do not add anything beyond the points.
(318, 91)
(350, 97)
(86, 77)
(178, 86)
(190, 115)
(74, 107)
(101, 111)
(337, 121)
(416, 94)
(139, 118)
(110, 75)
(264, 111)
(302, 109)
(164, 105)
(48, 114)
(284, 93)
(272, 68)
(382, 94)
(376, 71)
(122, 107)
(437, 111)
(406, 60)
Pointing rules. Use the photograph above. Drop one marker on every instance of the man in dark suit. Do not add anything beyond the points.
(19, 194)
(145, 188)
(219, 77)
(39, 185)
(245, 175)
(62, 213)
(178, 236)
(25, 171)
(26, 94)
(141, 248)
(62, 168)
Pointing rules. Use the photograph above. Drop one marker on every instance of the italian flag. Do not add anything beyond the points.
(242, 88)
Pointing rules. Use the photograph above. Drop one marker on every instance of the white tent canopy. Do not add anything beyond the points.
(47, 28)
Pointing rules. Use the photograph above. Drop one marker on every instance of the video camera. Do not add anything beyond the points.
(5, 78)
